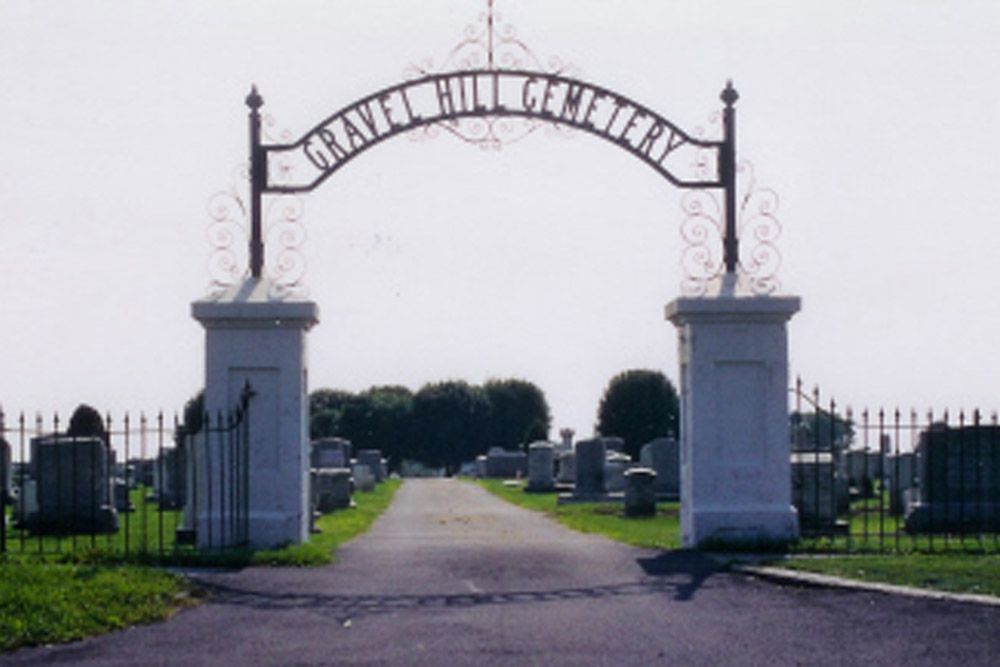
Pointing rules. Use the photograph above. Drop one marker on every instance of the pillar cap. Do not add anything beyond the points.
(255, 299)
(733, 309)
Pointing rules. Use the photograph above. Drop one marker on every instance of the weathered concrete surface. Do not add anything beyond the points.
(451, 576)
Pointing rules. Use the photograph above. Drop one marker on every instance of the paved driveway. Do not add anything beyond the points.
(451, 576)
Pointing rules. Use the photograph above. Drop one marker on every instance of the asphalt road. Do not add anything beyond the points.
(451, 576)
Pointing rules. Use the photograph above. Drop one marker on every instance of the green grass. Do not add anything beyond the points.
(146, 537)
(145, 532)
(72, 594)
(42, 603)
(953, 572)
(336, 528)
(660, 532)
(960, 567)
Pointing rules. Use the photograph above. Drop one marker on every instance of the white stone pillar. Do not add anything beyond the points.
(735, 465)
(254, 337)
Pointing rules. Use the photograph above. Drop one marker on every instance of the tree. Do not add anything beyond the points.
(387, 421)
(448, 424)
(820, 431)
(194, 413)
(86, 421)
(638, 405)
(519, 413)
(326, 407)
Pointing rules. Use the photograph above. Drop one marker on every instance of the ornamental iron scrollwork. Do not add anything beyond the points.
(228, 235)
(759, 229)
(490, 44)
(703, 231)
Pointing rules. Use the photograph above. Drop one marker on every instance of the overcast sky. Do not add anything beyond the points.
(551, 259)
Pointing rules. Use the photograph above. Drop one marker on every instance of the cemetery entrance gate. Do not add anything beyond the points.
(732, 337)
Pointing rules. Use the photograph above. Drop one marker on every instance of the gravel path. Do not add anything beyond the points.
(450, 575)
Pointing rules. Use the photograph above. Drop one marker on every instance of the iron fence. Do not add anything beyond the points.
(894, 481)
(146, 486)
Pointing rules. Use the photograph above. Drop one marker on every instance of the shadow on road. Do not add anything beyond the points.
(679, 574)
(691, 564)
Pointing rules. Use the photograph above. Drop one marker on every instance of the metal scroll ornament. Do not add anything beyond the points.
(228, 235)
(490, 43)
(703, 229)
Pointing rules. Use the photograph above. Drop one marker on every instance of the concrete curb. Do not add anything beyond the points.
(795, 577)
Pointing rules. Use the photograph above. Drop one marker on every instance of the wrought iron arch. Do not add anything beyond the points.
(447, 98)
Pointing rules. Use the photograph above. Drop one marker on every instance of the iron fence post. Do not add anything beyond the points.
(258, 179)
(727, 174)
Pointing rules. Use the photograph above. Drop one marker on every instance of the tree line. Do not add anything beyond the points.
(442, 425)
(445, 424)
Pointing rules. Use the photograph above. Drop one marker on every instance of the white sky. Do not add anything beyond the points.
(552, 259)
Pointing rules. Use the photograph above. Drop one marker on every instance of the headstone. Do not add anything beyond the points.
(901, 476)
(143, 471)
(590, 458)
(566, 468)
(331, 489)
(74, 488)
(640, 492)
(615, 466)
(541, 459)
(364, 480)
(862, 471)
(503, 464)
(959, 481)
(481, 466)
(6, 479)
(373, 459)
(330, 453)
(170, 478)
(818, 492)
(25, 502)
(662, 455)
(120, 493)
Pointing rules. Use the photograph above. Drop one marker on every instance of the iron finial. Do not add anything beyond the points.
(729, 94)
(254, 100)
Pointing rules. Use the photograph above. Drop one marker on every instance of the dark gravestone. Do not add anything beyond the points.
(959, 480)
(73, 486)
(170, 478)
(662, 455)
(640, 492)
(819, 492)
(590, 458)
(331, 488)
(6, 477)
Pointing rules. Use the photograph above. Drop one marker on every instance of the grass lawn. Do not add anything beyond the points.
(955, 570)
(660, 532)
(43, 603)
(75, 594)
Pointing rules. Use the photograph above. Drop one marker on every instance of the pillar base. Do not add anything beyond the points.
(258, 340)
(735, 452)
(739, 526)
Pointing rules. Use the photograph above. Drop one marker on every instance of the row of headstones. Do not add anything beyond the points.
(593, 466)
(74, 484)
(593, 470)
(950, 483)
(334, 475)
